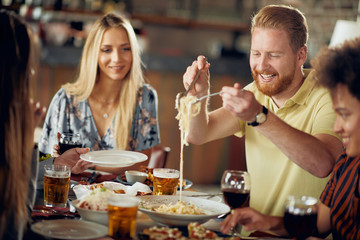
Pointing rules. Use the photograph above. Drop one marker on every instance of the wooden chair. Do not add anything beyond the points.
(159, 156)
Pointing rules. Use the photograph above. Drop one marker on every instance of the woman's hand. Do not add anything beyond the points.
(56, 152)
(72, 158)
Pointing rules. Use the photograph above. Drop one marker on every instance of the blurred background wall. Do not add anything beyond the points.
(172, 33)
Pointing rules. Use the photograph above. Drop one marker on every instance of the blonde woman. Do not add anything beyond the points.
(109, 104)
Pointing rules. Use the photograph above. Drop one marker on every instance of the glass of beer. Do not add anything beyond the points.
(69, 140)
(122, 211)
(56, 185)
(165, 181)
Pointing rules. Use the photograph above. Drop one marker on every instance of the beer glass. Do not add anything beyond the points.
(122, 211)
(56, 185)
(69, 140)
(165, 181)
(300, 216)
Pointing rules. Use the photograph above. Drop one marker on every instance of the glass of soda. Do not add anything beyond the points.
(69, 140)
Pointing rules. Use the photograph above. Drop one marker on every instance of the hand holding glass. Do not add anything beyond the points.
(68, 141)
(235, 186)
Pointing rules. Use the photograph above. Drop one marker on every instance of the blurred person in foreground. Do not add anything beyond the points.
(285, 116)
(19, 116)
(109, 104)
(337, 68)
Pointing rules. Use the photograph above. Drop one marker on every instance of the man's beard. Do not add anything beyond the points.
(274, 87)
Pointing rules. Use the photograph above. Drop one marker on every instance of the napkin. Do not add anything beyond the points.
(83, 190)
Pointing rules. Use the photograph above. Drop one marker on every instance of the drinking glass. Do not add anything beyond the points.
(165, 181)
(69, 140)
(122, 212)
(235, 186)
(56, 185)
(300, 216)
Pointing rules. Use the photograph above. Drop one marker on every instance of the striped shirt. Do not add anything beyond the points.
(341, 195)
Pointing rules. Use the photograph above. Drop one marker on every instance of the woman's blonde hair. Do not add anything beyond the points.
(16, 131)
(285, 18)
(89, 70)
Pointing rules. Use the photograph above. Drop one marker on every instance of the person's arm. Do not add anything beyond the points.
(253, 220)
(70, 158)
(323, 220)
(206, 126)
(305, 150)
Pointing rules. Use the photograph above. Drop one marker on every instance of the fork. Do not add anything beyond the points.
(182, 94)
(206, 96)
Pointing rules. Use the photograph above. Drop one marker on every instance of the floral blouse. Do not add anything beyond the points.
(66, 114)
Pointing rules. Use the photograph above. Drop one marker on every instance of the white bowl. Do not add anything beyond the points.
(91, 215)
(211, 208)
(133, 176)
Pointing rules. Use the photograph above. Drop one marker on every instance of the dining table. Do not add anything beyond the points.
(143, 220)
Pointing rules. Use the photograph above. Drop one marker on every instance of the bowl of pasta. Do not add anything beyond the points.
(170, 211)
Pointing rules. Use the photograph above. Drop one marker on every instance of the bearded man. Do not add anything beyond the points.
(286, 117)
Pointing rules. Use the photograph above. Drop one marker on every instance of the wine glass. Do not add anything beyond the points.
(300, 216)
(235, 186)
(69, 140)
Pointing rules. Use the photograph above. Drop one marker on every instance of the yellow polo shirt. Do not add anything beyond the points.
(273, 175)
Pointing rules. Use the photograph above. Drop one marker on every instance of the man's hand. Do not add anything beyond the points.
(72, 158)
(252, 221)
(202, 85)
(240, 103)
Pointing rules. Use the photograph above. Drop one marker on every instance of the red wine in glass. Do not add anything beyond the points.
(300, 216)
(68, 141)
(235, 186)
(235, 198)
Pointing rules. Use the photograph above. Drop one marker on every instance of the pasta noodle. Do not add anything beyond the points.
(180, 208)
(186, 110)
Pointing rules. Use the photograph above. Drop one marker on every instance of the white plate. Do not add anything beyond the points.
(211, 208)
(114, 158)
(69, 229)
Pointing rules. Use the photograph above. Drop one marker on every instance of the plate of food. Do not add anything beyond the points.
(170, 211)
(193, 230)
(114, 158)
(91, 202)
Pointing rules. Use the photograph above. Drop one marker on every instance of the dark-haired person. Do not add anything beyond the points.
(337, 68)
(18, 117)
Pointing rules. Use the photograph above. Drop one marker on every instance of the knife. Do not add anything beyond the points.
(92, 177)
